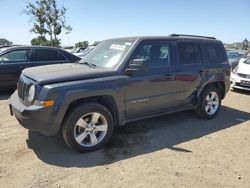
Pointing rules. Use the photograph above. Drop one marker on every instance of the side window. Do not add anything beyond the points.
(44, 55)
(186, 53)
(15, 57)
(154, 55)
(214, 53)
(61, 57)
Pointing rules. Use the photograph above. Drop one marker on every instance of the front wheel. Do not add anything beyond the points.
(88, 127)
(210, 103)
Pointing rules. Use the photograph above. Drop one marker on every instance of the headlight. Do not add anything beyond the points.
(31, 93)
(235, 70)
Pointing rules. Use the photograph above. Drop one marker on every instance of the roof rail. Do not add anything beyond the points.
(183, 35)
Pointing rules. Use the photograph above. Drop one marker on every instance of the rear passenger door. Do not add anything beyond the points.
(46, 57)
(190, 70)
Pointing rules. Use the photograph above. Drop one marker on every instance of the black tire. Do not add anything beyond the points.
(74, 115)
(201, 111)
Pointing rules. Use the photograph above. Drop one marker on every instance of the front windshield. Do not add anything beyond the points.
(108, 53)
(247, 61)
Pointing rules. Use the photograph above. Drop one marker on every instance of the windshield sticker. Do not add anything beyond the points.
(128, 43)
(117, 47)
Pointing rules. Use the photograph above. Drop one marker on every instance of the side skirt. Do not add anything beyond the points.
(168, 111)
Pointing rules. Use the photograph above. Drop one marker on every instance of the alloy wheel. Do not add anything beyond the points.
(211, 103)
(90, 129)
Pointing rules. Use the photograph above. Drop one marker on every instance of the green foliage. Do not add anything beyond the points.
(4, 42)
(40, 41)
(48, 21)
(96, 43)
(83, 44)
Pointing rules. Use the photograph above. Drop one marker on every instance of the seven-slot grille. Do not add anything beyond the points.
(22, 89)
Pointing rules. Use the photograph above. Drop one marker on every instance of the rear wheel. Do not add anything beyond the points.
(210, 103)
(88, 127)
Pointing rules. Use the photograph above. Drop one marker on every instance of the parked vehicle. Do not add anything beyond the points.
(85, 52)
(246, 55)
(4, 46)
(77, 51)
(14, 59)
(120, 81)
(240, 77)
(234, 56)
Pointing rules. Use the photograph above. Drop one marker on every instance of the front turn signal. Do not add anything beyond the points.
(48, 103)
(44, 103)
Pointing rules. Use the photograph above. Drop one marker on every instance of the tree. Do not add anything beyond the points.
(40, 41)
(48, 20)
(83, 44)
(4, 42)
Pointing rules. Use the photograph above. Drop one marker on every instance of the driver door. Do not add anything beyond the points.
(152, 89)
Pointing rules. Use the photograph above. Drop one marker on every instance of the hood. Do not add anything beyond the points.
(66, 72)
(243, 68)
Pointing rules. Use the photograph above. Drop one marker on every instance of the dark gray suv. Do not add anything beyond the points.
(120, 81)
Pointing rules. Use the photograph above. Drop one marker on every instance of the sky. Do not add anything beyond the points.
(95, 20)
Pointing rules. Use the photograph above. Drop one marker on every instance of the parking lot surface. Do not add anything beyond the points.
(175, 150)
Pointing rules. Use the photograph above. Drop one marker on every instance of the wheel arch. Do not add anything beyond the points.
(219, 85)
(105, 100)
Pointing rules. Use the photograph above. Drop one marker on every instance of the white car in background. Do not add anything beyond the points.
(234, 56)
(240, 76)
(81, 53)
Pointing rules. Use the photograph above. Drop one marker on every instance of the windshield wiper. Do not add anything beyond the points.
(86, 63)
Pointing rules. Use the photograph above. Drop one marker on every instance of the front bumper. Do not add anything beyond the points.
(238, 82)
(36, 118)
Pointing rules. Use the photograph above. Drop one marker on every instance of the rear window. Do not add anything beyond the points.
(214, 53)
(44, 55)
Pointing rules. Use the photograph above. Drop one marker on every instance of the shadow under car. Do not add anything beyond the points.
(136, 138)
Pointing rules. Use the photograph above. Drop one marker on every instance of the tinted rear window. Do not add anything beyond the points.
(44, 55)
(214, 53)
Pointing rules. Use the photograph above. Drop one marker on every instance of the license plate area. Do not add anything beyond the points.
(244, 82)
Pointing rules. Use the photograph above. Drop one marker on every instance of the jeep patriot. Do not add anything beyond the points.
(120, 81)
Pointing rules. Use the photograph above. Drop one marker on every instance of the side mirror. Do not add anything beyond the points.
(137, 65)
